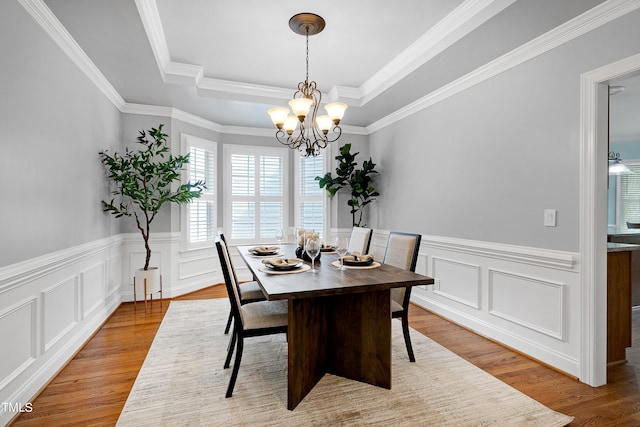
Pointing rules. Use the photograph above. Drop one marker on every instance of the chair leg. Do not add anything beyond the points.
(232, 344)
(407, 338)
(226, 330)
(236, 368)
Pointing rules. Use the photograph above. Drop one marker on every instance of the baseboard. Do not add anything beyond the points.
(553, 359)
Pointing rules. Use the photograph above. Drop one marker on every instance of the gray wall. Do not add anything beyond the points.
(485, 163)
(54, 122)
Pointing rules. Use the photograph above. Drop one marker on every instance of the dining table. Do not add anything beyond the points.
(339, 320)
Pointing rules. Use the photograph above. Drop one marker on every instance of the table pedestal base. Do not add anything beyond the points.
(347, 335)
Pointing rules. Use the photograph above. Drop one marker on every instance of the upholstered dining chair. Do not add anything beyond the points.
(402, 252)
(249, 320)
(360, 240)
(249, 291)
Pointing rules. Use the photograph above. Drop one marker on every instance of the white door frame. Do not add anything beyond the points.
(593, 215)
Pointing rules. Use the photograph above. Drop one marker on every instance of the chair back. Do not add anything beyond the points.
(402, 252)
(226, 245)
(230, 281)
(360, 240)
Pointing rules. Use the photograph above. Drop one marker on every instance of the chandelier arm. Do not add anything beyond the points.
(336, 129)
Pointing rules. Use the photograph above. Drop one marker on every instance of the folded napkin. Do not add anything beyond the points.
(282, 262)
(265, 248)
(358, 258)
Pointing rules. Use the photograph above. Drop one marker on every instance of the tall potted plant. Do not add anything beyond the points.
(141, 183)
(358, 181)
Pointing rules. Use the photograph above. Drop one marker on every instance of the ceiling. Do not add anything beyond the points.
(228, 62)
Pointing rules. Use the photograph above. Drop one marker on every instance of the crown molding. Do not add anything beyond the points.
(172, 113)
(582, 24)
(54, 28)
(148, 11)
(461, 21)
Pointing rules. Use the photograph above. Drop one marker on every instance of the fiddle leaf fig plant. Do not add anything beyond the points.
(142, 181)
(358, 181)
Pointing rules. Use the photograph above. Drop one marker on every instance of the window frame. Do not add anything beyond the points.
(210, 194)
(257, 152)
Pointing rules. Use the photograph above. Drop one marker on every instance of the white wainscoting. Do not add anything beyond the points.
(51, 305)
(526, 298)
(182, 271)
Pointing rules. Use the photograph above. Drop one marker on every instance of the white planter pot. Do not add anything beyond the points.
(147, 282)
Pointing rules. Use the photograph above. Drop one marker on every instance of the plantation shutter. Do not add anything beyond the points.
(311, 197)
(257, 193)
(629, 197)
(200, 213)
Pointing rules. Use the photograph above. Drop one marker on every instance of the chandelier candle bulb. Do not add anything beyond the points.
(324, 123)
(336, 111)
(290, 124)
(278, 116)
(300, 107)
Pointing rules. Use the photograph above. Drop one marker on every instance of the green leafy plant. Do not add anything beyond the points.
(142, 181)
(358, 181)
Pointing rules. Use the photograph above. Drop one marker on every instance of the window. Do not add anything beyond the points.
(310, 202)
(199, 216)
(628, 196)
(256, 192)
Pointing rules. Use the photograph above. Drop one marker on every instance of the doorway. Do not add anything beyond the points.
(594, 93)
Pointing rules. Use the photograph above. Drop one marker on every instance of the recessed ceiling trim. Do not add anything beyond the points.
(249, 90)
(148, 11)
(184, 74)
(461, 21)
(582, 24)
(449, 30)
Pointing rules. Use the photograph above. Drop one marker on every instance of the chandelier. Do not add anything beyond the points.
(305, 130)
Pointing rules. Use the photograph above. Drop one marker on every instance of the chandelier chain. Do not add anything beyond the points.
(307, 53)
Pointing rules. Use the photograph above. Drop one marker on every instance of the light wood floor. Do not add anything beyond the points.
(93, 387)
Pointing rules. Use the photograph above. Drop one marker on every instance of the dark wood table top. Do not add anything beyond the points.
(328, 280)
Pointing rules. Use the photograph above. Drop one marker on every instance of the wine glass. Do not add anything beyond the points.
(341, 245)
(279, 235)
(312, 247)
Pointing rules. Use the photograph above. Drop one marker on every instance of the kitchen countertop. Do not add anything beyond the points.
(621, 247)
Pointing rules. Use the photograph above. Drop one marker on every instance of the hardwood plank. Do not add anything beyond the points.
(124, 336)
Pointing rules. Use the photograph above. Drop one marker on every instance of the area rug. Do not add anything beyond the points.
(182, 383)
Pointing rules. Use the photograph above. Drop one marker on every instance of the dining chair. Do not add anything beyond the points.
(360, 240)
(248, 291)
(249, 320)
(402, 252)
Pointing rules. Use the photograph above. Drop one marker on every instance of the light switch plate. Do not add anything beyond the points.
(549, 217)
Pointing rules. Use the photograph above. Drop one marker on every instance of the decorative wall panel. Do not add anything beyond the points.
(17, 335)
(457, 281)
(534, 303)
(60, 311)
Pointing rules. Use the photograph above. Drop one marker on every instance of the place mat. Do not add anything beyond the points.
(374, 264)
(268, 270)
